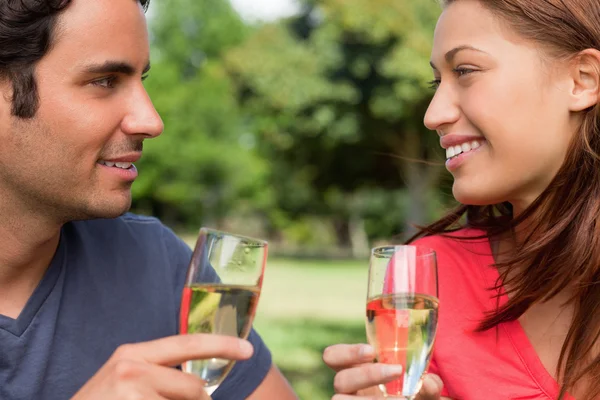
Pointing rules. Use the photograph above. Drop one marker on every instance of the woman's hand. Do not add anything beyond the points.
(357, 376)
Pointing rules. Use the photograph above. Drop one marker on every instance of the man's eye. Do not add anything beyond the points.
(107, 83)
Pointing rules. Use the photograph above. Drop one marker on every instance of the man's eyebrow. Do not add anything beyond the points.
(452, 53)
(119, 67)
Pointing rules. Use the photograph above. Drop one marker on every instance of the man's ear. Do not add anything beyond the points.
(585, 75)
(6, 94)
(6, 108)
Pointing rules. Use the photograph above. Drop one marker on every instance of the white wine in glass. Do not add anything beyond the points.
(226, 307)
(402, 312)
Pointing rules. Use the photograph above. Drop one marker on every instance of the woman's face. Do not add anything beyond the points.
(501, 108)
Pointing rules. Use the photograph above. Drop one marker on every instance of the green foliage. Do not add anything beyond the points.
(187, 32)
(337, 96)
(315, 117)
(288, 75)
(205, 164)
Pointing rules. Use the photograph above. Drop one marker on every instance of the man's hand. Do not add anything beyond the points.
(357, 377)
(143, 370)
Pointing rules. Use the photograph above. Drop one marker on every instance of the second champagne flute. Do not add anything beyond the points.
(402, 312)
(226, 307)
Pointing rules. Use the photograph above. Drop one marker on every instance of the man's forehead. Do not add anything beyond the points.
(99, 31)
(86, 19)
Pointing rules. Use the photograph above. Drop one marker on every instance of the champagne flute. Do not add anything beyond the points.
(226, 307)
(402, 313)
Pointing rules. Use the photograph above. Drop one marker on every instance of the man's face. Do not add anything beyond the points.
(73, 159)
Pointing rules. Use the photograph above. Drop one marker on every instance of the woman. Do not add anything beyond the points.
(516, 106)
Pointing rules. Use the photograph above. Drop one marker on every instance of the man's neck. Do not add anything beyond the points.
(27, 245)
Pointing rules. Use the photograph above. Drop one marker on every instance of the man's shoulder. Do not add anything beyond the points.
(125, 224)
(127, 231)
(131, 239)
(128, 219)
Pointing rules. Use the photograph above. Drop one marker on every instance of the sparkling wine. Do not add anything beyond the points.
(402, 329)
(218, 309)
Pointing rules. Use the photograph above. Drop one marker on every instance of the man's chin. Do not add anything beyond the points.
(106, 210)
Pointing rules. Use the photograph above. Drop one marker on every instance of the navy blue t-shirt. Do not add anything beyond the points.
(110, 282)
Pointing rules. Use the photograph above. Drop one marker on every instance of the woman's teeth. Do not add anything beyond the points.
(454, 151)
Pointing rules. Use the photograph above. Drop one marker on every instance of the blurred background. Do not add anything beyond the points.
(299, 122)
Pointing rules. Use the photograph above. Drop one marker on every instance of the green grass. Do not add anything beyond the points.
(306, 306)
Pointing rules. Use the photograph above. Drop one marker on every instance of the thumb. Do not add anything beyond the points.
(431, 389)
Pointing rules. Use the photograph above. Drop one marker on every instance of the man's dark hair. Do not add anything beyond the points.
(27, 29)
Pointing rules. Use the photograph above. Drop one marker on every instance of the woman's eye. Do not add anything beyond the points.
(434, 84)
(461, 71)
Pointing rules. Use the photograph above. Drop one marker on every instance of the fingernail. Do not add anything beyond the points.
(366, 351)
(392, 370)
(437, 380)
(246, 347)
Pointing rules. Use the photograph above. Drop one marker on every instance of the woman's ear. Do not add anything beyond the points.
(585, 75)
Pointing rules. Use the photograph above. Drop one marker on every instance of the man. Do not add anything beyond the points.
(89, 298)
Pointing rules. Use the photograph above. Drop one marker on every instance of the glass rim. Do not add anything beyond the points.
(383, 250)
(247, 239)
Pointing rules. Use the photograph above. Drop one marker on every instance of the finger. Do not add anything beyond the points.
(174, 384)
(341, 356)
(153, 396)
(174, 350)
(431, 389)
(351, 397)
(134, 391)
(351, 380)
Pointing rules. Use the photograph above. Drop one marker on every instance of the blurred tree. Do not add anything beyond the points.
(337, 95)
(205, 165)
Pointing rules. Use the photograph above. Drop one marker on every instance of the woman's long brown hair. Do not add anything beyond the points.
(562, 247)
